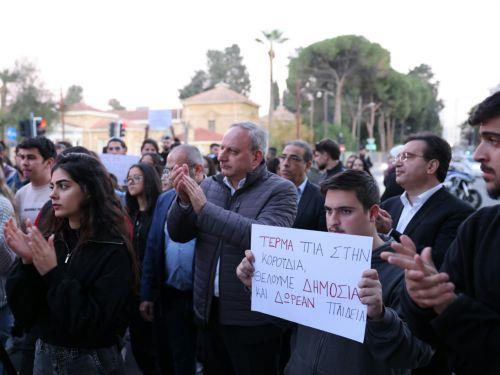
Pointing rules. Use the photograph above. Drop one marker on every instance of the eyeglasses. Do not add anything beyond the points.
(404, 156)
(135, 179)
(166, 171)
(117, 148)
(293, 158)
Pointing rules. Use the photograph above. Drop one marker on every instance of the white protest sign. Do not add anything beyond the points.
(119, 165)
(311, 278)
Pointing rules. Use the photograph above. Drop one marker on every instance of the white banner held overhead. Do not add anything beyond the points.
(311, 278)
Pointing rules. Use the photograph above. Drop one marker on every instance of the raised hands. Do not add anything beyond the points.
(43, 251)
(17, 240)
(187, 188)
(426, 286)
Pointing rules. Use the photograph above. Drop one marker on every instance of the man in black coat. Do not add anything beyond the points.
(295, 161)
(458, 309)
(426, 211)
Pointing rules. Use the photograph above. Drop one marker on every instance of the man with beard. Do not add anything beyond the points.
(326, 156)
(458, 308)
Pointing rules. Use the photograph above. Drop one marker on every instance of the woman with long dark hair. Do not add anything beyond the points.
(144, 188)
(74, 281)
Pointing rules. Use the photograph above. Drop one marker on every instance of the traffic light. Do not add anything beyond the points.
(122, 129)
(112, 129)
(41, 125)
(25, 128)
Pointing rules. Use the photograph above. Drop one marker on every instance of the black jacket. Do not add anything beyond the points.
(435, 224)
(81, 303)
(223, 231)
(311, 209)
(469, 329)
(331, 172)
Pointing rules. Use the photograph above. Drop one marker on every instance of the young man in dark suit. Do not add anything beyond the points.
(426, 211)
(295, 161)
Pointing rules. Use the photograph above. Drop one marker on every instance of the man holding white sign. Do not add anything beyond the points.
(389, 347)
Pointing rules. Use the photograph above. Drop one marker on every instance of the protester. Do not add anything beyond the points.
(116, 146)
(61, 146)
(167, 145)
(392, 188)
(350, 160)
(36, 156)
(295, 161)
(149, 146)
(426, 211)
(219, 214)
(213, 154)
(17, 180)
(167, 278)
(144, 187)
(458, 309)
(166, 183)
(327, 155)
(389, 347)
(74, 287)
(153, 159)
(365, 158)
(7, 258)
(209, 166)
(358, 165)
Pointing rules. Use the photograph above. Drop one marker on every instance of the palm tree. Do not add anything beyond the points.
(273, 37)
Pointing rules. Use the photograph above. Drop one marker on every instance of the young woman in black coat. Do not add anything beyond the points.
(74, 282)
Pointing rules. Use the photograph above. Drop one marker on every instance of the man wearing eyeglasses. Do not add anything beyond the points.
(295, 161)
(426, 211)
(458, 307)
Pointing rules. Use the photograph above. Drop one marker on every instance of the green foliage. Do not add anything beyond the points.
(73, 95)
(375, 97)
(222, 66)
(25, 94)
(276, 95)
(115, 105)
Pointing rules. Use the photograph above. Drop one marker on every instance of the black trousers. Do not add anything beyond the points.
(144, 343)
(177, 332)
(239, 350)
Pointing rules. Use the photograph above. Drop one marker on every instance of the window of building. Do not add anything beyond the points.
(211, 125)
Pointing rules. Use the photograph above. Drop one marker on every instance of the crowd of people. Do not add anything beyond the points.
(166, 260)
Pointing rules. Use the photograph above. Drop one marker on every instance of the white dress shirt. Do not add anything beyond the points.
(410, 209)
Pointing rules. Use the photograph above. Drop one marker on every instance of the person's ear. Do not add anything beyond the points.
(432, 166)
(374, 210)
(308, 165)
(258, 156)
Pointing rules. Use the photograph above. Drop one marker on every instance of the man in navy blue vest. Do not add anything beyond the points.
(167, 277)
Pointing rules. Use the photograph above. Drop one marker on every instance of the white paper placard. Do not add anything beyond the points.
(311, 278)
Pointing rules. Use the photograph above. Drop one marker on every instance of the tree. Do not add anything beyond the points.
(336, 60)
(26, 95)
(272, 37)
(73, 95)
(222, 66)
(115, 105)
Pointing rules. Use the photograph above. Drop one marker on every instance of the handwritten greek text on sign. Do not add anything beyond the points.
(311, 278)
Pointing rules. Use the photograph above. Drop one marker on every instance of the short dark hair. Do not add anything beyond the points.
(364, 186)
(116, 139)
(214, 145)
(150, 142)
(152, 189)
(488, 109)
(435, 148)
(308, 155)
(330, 147)
(44, 146)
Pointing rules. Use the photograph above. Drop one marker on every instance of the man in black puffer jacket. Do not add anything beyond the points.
(220, 214)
